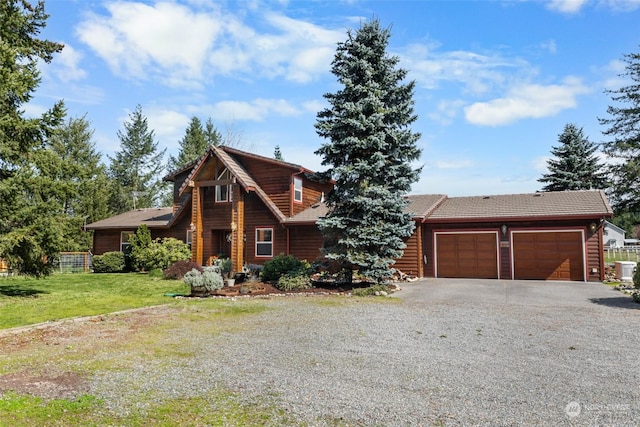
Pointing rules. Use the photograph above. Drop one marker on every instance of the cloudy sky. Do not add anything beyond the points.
(496, 81)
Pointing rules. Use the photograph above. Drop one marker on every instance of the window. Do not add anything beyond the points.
(264, 242)
(297, 190)
(223, 192)
(189, 237)
(124, 239)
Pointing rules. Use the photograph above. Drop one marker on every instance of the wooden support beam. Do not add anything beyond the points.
(237, 229)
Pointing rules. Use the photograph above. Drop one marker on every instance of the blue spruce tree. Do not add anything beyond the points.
(369, 152)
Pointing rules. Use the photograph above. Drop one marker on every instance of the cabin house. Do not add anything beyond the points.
(251, 208)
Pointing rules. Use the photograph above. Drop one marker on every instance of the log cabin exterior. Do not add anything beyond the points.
(251, 208)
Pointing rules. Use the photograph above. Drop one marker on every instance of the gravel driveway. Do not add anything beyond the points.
(451, 352)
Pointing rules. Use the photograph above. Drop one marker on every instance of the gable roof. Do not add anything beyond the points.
(152, 217)
(545, 205)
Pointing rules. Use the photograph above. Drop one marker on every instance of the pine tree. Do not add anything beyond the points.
(85, 178)
(212, 135)
(369, 153)
(135, 171)
(624, 147)
(574, 166)
(30, 232)
(277, 154)
(192, 146)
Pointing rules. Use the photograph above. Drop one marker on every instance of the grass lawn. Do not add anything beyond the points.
(25, 301)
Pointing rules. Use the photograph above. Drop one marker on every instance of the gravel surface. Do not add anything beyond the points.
(451, 352)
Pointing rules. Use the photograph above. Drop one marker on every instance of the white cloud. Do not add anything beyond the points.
(526, 101)
(165, 40)
(256, 110)
(65, 65)
(182, 46)
(169, 126)
(446, 111)
(477, 72)
(566, 6)
(540, 164)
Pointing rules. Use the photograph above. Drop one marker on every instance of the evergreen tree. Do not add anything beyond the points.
(192, 146)
(624, 147)
(30, 231)
(212, 135)
(575, 166)
(135, 171)
(85, 178)
(369, 153)
(277, 154)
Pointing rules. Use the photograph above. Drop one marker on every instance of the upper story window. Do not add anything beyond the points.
(124, 239)
(223, 192)
(297, 189)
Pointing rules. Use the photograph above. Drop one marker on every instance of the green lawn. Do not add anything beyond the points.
(25, 301)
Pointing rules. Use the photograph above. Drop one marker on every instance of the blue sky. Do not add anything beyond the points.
(496, 81)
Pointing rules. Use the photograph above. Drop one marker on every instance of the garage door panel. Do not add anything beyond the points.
(548, 256)
(467, 255)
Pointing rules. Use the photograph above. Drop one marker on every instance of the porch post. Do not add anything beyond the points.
(196, 220)
(237, 229)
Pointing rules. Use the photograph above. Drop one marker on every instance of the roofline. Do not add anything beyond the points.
(516, 218)
(298, 168)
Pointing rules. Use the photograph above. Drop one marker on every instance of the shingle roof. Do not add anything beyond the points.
(153, 217)
(419, 206)
(519, 206)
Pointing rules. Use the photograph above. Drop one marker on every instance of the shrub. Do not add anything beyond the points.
(178, 269)
(209, 279)
(253, 270)
(109, 262)
(636, 296)
(281, 265)
(161, 254)
(295, 282)
(636, 278)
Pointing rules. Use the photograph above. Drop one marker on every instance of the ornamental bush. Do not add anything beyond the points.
(178, 269)
(281, 265)
(109, 262)
(293, 282)
(209, 279)
(636, 278)
(161, 253)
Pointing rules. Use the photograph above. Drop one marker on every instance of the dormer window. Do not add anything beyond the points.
(297, 190)
(223, 192)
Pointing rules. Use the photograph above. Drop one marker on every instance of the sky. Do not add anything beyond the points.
(496, 81)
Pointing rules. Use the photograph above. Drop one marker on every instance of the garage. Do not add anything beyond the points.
(467, 255)
(548, 255)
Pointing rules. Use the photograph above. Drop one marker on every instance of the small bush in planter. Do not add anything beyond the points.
(281, 265)
(109, 262)
(178, 269)
(293, 282)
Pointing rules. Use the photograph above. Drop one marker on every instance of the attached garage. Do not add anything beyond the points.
(548, 255)
(466, 255)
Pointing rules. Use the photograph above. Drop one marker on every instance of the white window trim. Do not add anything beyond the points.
(229, 195)
(258, 229)
(297, 180)
(122, 243)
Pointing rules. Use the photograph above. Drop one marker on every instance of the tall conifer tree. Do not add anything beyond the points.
(369, 153)
(30, 232)
(574, 166)
(624, 146)
(136, 169)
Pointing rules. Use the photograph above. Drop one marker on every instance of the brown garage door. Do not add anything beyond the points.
(468, 255)
(548, 256)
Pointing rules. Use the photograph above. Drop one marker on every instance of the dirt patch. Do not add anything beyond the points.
(66, 385)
